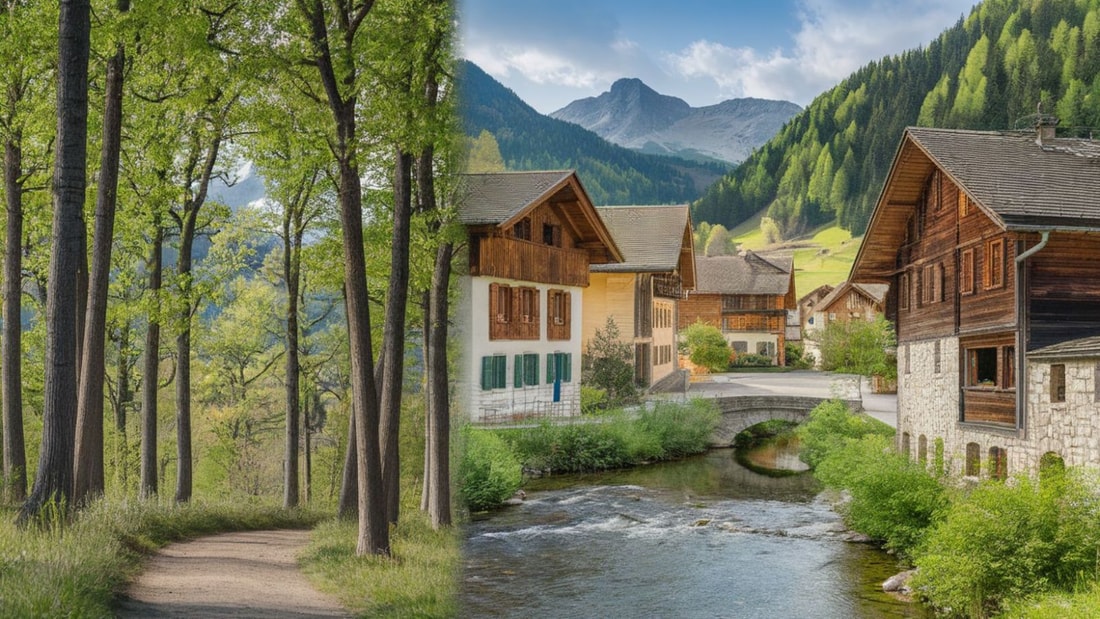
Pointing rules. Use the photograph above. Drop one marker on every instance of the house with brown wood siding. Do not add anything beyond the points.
(988, 242)
(642, 294)
(531, 239)
(748, 297)
(847, 302)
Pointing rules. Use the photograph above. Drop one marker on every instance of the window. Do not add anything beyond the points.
(964, 204)
(558, 311)
(522, 229)
(973, 459)
(922, 449)
(994, 267)
(1058, 382)
(903, 291)
(905, 444)
(740, 347)
(528, 304)
(494, 369)
(907, 358)
(1010, 367)
(998, 463)
(502, 295)
(551, 235)
(936, 356)
(526, 371)
(966, 272)
(982, 367)
(932, 284)
(559, 366)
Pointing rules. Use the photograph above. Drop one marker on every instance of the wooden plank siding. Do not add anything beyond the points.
(1064, 289)
(517, 259)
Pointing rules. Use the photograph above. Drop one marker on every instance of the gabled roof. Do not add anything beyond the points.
(1083, 348)
(875, 293)
(1021, 183)
(501, 199)
(653, 239)
(745, 273)
(820, 292)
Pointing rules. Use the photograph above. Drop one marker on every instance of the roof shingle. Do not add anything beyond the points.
(747, 273)
(650, 237)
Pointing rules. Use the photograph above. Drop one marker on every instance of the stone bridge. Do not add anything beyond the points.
(741, 412)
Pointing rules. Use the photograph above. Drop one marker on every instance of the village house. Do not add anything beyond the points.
(988, 241)
(748, 297)
(642, 293)
(847, 302)
(531, 239)
(808, 302)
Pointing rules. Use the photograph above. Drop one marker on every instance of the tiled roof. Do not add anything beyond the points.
(874, 292)
(650, 237)
(747, 273)
(1081, 348)
(1024, 184)
(496, 197)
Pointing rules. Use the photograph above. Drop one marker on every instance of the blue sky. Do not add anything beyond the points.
(552, 53)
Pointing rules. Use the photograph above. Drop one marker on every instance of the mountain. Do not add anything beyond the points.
(988, 71)
(634, 115)
(612, 174)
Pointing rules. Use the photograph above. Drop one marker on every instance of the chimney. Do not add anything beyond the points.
(1045, 125)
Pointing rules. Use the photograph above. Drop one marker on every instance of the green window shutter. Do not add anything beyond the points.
(550, 370)
(500, 371)
(531, 369)
(486, 373)
(566, 367)
(517, 372)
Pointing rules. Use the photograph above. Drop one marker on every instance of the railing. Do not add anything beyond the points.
(668, 286)
(528, 261)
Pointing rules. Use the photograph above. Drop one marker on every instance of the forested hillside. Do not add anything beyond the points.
(611, 174)
(988, 71)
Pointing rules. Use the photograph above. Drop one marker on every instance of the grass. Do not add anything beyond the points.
(75, 569)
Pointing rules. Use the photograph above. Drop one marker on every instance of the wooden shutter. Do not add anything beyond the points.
(568, 316)
(500, 371)
(550, 367)
(517, 372)
(536, 312)
(494, 309)
(531, 369)
(486, 373)
(566, 367)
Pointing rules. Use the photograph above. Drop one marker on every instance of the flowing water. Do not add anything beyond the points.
(704, 537)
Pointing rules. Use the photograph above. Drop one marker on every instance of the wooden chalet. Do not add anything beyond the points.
(531, 239)
(748, 297)
(849, 301)
(987, 241)
(642, 293)
(808, 302)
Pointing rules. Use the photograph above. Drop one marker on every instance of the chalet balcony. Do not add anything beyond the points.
(989, 406)
(668, 286)
(511, 258)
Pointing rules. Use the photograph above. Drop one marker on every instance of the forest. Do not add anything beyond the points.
(990, 71)
(611, 174)
(158, 343)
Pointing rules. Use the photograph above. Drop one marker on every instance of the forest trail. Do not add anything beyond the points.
(241, 574)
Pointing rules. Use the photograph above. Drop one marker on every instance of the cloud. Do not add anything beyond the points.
(537, 65)
(833, 40)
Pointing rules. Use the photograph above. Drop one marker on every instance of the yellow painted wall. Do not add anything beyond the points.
(609, 294)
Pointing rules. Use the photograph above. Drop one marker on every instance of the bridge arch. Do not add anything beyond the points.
(738, 413)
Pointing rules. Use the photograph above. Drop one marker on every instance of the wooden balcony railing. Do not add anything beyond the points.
(668, 286)
(528, 261)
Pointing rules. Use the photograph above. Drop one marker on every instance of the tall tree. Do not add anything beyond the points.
(88, 473)
(334, 54)
(53, 479)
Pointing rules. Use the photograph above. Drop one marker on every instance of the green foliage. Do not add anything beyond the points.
(858, 347)
(617, 440)
(484, 154)
(718, 242)
(751, 360)
(986, 72)
(706, 346)
(608, 364)
(797, 357)
(892, 498)
(1005, 541)
(488, 472)
(593, 400)
(831, 426)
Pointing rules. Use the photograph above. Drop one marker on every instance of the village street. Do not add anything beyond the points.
(798, 383)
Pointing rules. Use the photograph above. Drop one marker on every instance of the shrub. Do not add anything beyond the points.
(752, 360)
(489, 472)
(706, 346)
(608, 364)
(1007, 541)
(681, 430)
(892, 498)
(831, 426)
(594, 400)
(796, 357)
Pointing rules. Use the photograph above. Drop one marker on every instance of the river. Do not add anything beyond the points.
(703, 537)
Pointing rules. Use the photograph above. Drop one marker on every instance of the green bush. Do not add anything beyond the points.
(706, 346)
(1004, 542)
(681, 430)
(594, 400)
(489, 472)
(751, 360)
(831, 426)
(892, 499)
(608, 364)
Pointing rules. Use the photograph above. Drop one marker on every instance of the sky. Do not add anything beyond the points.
(554, 52)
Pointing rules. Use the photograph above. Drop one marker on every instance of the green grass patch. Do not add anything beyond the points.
(75, 569)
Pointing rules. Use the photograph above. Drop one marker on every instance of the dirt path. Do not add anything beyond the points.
(244, 574)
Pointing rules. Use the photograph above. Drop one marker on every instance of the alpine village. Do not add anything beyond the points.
(307, 314)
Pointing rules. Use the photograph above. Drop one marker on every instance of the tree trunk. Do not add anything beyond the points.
(53, 481)
(393, 334)
(183, 363)
(15, 459)
(439, 410)
(292, 246)
(89, 420)
(348, 503)
(150, 372)
(425, 486)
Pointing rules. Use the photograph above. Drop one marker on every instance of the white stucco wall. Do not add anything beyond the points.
(510, 402)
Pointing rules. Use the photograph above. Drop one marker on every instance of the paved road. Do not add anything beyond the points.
(798, 383)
